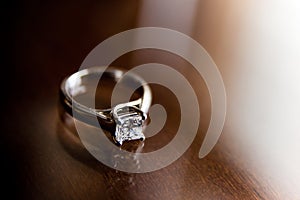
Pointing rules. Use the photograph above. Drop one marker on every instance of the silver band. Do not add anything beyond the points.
(73, 86)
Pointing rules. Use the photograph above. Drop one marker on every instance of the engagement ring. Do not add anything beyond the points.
(126, 118)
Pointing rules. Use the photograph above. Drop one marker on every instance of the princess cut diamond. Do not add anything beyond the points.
(129, 127)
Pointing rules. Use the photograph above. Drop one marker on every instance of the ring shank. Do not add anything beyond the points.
(73, 85)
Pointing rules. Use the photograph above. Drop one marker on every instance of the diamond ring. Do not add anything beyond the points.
(126, 118)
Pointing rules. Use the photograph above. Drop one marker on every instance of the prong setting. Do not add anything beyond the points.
(129, 123)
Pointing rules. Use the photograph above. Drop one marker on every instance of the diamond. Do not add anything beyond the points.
(129, 127)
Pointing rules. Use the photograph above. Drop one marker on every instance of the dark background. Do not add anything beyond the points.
(42, 42)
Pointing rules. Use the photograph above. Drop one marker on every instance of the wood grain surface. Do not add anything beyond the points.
(42, 159)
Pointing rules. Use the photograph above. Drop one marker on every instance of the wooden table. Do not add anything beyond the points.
(47, 41)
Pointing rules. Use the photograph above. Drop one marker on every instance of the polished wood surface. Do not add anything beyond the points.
(42, 160)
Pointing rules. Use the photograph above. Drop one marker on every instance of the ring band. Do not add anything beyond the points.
(127, 118)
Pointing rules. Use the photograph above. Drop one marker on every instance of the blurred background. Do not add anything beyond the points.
(256, 46)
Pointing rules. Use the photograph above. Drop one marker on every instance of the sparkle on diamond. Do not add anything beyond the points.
(129, 127)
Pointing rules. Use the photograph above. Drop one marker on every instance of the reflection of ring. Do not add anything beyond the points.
(126, 118)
